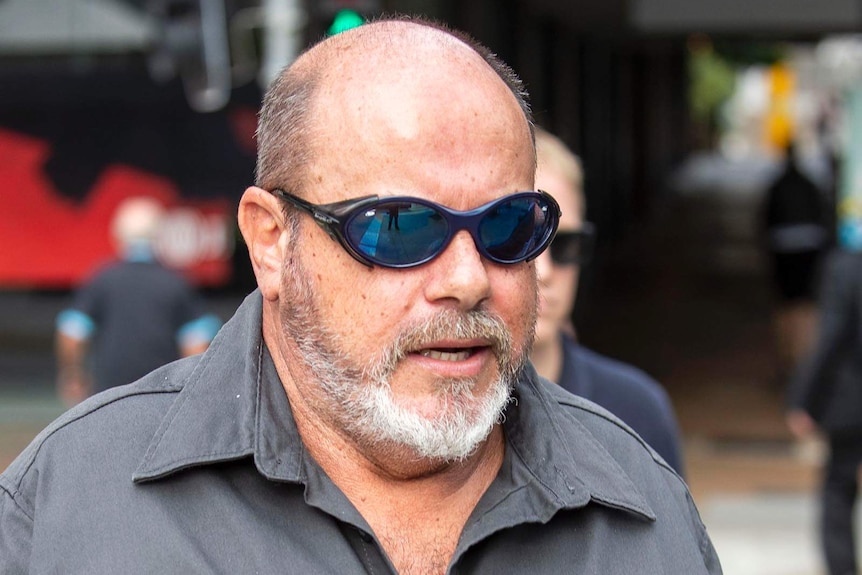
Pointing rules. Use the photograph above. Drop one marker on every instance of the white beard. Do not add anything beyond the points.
(359, 399)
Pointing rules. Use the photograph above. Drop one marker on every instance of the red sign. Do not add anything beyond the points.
(47, 240)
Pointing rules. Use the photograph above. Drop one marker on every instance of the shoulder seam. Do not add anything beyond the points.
(12, 493)
(603, 413)
(58, 425)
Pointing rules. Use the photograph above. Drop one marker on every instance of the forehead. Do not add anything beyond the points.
(421, 106)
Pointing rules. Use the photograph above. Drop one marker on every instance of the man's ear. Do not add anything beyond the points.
(262, 224)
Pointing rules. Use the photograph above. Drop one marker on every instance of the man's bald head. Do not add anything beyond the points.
(379, 51)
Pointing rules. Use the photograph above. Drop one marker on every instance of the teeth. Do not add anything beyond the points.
(445, 355)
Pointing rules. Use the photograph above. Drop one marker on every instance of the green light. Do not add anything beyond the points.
(345, 20)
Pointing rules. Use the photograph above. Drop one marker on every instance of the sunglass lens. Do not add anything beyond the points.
(397, 233)
(514, 230)
(571, 248)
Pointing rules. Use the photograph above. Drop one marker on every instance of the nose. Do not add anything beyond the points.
(460, 274)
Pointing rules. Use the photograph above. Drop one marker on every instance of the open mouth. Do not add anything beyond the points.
(448, 354)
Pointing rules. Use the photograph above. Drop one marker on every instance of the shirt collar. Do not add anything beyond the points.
(233, 406)
(562, 455)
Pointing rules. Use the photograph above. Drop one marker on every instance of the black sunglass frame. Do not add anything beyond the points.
(334, 217)
(585, 236)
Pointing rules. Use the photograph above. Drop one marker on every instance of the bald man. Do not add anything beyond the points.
(370, 408)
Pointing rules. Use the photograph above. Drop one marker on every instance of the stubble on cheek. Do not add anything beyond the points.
(526, 296)
(352, 390)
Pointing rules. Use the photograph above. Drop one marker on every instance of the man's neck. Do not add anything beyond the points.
(417, 509)
(418, 517)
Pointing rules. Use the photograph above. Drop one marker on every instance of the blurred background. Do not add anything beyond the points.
(680, 111)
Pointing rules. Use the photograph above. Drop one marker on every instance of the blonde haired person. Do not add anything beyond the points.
(622, 389)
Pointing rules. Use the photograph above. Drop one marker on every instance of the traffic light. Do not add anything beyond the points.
(345, 19)
(331, 17)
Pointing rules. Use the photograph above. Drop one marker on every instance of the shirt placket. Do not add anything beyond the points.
(367, 550)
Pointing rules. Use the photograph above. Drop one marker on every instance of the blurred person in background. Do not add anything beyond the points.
(133, 316)
(826, 397)
(796, 231)
(622, 389)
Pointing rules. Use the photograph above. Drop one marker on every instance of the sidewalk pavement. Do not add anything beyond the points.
(759, 504)
(763, 534)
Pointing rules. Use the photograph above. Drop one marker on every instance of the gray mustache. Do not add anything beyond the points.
(453, 324)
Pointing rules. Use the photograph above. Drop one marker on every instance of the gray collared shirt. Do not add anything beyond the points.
(199, 468)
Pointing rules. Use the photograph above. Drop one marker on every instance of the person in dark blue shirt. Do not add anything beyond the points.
(624, 390)
(133, 316)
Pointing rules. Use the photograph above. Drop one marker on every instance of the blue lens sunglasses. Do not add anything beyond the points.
(403, 232)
